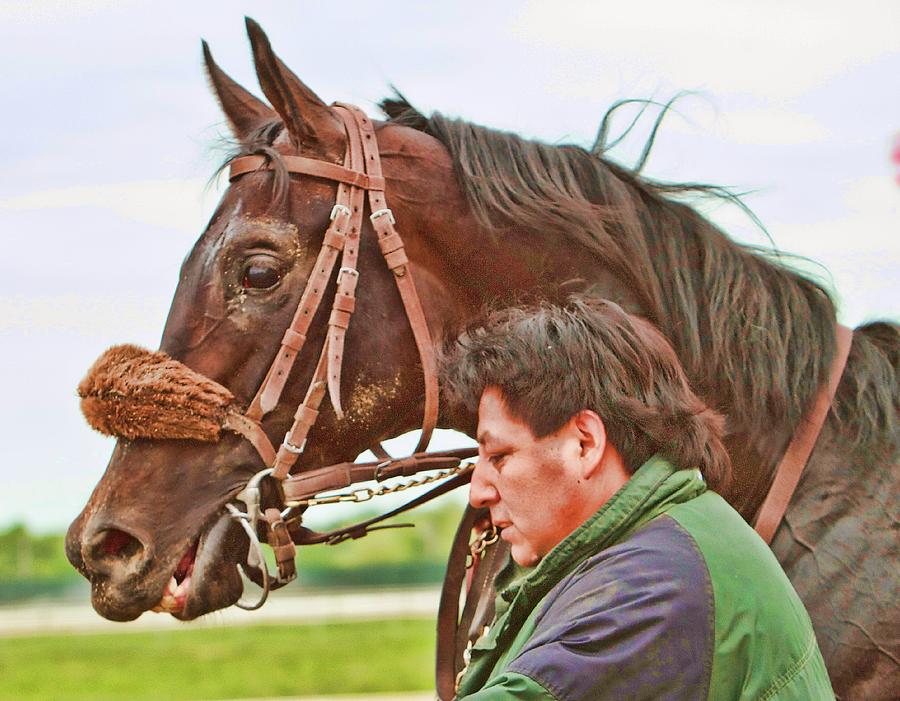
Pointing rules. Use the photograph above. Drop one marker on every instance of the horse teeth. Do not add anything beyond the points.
(172, 586)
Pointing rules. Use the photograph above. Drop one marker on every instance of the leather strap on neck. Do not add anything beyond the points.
(787, 474)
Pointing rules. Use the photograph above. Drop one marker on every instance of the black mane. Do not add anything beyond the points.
(753, 333)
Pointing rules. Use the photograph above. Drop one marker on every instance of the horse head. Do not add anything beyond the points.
(157, 513)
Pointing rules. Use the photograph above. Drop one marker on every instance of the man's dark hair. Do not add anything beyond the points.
(550, 362)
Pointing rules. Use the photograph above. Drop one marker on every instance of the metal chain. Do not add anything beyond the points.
(484, 539)
(358, 496)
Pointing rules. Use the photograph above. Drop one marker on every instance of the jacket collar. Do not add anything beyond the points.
(654, 488)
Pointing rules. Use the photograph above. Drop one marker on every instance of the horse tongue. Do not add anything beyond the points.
(185, 564)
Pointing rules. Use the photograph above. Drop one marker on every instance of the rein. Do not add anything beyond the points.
(787, 474)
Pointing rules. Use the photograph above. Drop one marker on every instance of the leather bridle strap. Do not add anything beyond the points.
(348, 277)
(305, 417)
(306, 166)
(294, 337)
(311, 482)
(304, 536)
(787, 474)
(394, 253)
(253, 432)
(448, 610)
(363, 173)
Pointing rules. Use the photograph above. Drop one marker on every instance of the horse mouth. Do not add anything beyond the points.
(176, 593)
(206, 577)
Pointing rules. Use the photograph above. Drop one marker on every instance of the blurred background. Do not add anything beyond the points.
(109, 138)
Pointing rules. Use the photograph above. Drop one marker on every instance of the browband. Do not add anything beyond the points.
(306, 166)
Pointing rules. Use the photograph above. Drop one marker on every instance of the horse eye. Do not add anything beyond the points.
(260, 275)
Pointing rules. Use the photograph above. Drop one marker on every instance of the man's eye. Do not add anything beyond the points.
(260, 275)
(497, 459)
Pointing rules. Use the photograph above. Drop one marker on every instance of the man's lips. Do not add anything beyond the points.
(500, 523)
(504, 529)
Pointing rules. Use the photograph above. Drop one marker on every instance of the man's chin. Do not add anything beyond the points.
(522, 553)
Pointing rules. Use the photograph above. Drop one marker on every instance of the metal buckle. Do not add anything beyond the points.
(379, 467)
(382, 213)
(350, 271)
(290, 447)
(338, 208)
(249, 521)
(250, 495)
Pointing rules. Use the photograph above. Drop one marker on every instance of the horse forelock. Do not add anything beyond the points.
(756, 337)
(260, 141)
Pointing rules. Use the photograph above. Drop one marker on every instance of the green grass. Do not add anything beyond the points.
(260, 661)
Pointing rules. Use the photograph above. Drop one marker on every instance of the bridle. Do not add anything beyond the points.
(359, 178)
(342, 237)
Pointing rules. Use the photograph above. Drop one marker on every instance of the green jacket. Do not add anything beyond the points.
(664, 593)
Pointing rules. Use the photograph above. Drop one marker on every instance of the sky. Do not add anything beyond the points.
(110, 135)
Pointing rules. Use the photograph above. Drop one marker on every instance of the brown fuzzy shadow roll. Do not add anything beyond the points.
(131, 392)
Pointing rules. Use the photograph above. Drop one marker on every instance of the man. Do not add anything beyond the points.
(630, 578)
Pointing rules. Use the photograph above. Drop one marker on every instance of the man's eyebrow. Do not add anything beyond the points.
(484, 437)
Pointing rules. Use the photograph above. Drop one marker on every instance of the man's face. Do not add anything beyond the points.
(532, 486)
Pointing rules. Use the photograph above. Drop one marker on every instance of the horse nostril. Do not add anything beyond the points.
(120, 543)
(111, 548)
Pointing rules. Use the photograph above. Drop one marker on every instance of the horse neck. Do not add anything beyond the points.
(755, 339)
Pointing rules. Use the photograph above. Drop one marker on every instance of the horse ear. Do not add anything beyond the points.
(243, 110)
(309, 121)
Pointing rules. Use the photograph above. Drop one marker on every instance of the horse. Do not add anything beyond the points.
(490, 218)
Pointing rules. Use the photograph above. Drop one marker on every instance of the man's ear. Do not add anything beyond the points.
(591, 433)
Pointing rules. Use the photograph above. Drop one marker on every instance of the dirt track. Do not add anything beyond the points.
(49, 617)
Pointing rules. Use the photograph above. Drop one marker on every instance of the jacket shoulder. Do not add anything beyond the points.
(633, 621)
(765, 644)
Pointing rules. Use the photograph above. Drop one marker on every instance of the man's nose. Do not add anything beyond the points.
(482, 492)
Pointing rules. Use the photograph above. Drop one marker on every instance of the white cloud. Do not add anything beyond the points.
(129, 316)
(761, 126)
(768, 47)
(31, 11)
(871, 224)
(183, 205)
(855, 254)
(770, 127)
